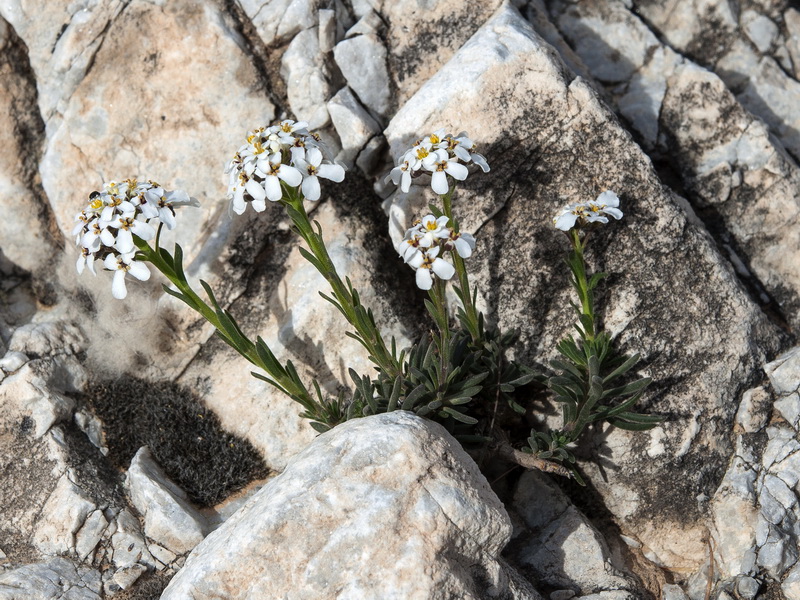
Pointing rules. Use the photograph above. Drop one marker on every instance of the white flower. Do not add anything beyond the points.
(464, 148)
(593, 211)
(424, 244)
(105, 228)
(313, 169)
(443, 167)
(122, 264)
(286, 152)
(464, 243)
(161, 204)
(428, 263)
(270, 186)
(127, 225)
(86, 259)
(441, 155)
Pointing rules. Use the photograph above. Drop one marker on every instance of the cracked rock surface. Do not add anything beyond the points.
(686, 109)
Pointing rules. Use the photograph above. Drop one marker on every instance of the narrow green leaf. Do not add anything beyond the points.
(622, 369)
(459, 416)
(629, 388)
(628, 426)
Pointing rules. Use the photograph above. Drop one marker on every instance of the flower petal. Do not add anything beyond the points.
(439, 183)
(139, 270)
(255, 189)
(118, 289)
(456, 170)
(565, 221)
(608, 198)
(333, 172)
(311, 188)
(273, 189)
(424, 279)
(443, 269)
(290, 175)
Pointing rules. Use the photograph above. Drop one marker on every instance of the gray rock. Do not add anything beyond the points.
(790, 586)
(759, 29)
(370, 22)
(784, 372)
(169, 519)
(499, 62)
(671, 591)
(89, 535)
(305, 531)
(753, 75)
(57, 579)
(127, 576)
(686, 115)
(304, 70)
(63, 515)
(279, 20)
(12, 361)
(327, 30)
(127, 542)
(792, 20)
(353, 123)
(747, 587)
(754, 410)
(362, 61)
(560, 547)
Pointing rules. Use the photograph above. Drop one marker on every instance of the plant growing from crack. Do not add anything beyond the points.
(460, 375)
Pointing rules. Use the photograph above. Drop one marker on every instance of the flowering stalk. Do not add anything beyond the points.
(583, 286)
(589, 365)
(258, 354)
(345, 297)
(469, 318)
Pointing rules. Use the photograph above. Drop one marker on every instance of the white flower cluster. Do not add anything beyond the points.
(424, 244)
(286, 152)
(105, 228)
(593, 211)
(440, 155)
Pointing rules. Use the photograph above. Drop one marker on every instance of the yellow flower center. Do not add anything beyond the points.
(434, 139)
(96, 203)
(422, 153)
(259, 148)
(431, 225)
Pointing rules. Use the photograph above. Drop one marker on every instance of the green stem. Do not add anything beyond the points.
(244, 346)
(582, 286)
(355, 313)
(467, 299)
(440, 316)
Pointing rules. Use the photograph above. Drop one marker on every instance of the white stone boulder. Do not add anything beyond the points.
(388, 506)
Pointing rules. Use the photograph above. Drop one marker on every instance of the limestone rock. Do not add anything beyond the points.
(686, 116)
(303, 68)
(169, 519)
(278, 20)
(308, 530)
(562, 134)
(560, 547)
(353, 123)
(64, 514)
(422, 37)
(27, 234)
(154, 133)
(362, 60)
(57, 579)
(742, 48)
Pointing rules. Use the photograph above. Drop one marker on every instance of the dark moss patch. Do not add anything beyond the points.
(184, 436)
